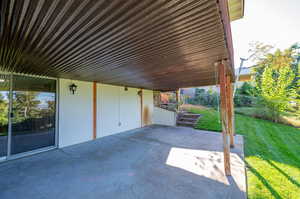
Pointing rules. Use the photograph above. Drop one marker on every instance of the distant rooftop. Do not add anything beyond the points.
(245, 74)
(236, 9)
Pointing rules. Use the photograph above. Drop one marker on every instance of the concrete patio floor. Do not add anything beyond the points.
(151, 162)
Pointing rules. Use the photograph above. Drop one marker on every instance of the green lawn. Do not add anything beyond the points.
(272, 154)
(290, 118)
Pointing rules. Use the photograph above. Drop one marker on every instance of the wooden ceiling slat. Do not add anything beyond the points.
(133, 38)
(149, 44)
(131, 33)
(185, 62)
(154, 53)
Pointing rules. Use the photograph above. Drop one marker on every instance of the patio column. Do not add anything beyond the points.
(230, 109)
(178, 98)
(224, 103)
(142, 106)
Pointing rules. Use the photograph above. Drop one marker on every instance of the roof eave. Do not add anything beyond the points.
(236, 9)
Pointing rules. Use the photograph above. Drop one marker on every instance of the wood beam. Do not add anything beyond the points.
(229, 107)
(224, 116)
(178, 98)
(142, 106)
(94, 110)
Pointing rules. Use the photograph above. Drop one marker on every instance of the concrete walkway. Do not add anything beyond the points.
(154, 162)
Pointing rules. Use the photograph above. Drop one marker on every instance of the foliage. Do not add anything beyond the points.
(245, 96)
(271, 154)
(244, 100)
(206, 98)
(258, 50)
(3, 110)
(27, 108)
(276, 81)
(276, 90)
(247, 89)
(277, 78)
(26, 104)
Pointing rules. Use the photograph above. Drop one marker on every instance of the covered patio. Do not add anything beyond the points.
(151, 162)
(93, 66)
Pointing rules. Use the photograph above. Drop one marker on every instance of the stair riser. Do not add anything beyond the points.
(187, 125)
(190, 116)
(187, 120)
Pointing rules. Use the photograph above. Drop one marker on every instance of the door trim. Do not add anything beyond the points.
(29, 153)
(9, 117)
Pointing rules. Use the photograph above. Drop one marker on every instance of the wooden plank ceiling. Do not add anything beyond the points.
(154, 44)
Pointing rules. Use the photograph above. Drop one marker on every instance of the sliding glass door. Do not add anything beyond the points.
(28, 122)
(4, 110)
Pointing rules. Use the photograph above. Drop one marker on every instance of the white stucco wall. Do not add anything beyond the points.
(117, 110)
(75, 113)
(130, 109)
(107, 110)
(164, 117)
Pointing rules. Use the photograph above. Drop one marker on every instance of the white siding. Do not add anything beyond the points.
(130, 109)
(117, 110)
(75, 113)
(107, 110)
(164, 117)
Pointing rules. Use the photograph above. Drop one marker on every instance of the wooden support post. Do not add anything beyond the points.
(94, 110)
(224, 116)
(178, 98)
(142, 107)
(229, 97)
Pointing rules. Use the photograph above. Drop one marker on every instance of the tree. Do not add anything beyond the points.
(3, 111)
(247, 89)
(296, 69)
(276, 91)
(26, 104)
(199, 92)
(276, 81)
(258, 51)
(287, 58)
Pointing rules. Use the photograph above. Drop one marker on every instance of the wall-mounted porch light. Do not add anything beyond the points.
(125, 88)
(73, 88)
(140, 93)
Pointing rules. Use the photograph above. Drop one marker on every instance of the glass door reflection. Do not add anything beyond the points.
(33, 113)
(4, 109)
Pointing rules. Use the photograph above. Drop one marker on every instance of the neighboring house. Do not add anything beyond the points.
(93, 66)
(245, 74)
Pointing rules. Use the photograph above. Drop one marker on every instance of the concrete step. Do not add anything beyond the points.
(190, 115)
(184, 123)
(188, 119)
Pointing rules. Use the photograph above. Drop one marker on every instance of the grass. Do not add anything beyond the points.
(272, 154)
(288, 118)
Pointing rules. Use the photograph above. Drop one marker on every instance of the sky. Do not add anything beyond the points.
(275, 22)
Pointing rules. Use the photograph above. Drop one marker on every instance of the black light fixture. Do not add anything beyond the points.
(125, 88)
(140, 93)
(73, 88)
